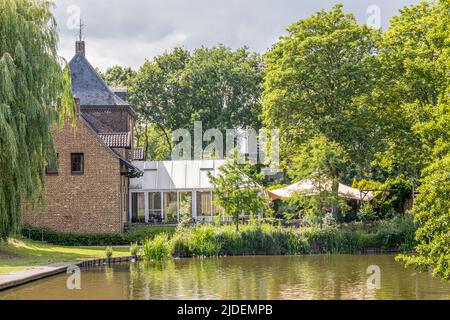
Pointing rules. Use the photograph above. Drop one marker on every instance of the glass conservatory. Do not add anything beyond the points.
(171, 189)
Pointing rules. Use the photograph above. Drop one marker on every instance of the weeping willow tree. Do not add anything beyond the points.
(35, 92)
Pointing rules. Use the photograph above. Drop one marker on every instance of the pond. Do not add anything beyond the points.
(261, 277)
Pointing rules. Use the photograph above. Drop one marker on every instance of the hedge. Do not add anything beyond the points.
(93, 239)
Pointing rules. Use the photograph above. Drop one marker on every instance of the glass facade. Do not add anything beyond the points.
(168, 207)
(154, 207)
(138, 207)
(204, 205)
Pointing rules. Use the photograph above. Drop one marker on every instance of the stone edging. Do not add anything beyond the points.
(21, 277)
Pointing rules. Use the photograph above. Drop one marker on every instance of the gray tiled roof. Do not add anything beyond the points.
(121, 93)
(136, 154)
(116, 140)
(89, 87)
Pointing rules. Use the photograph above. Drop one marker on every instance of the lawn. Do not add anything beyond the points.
(21, 254)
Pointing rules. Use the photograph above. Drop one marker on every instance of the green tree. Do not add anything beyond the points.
(432, 213)
(34, 93)
(148, 137)
(118, 76)
(217, 86)
(225, 87)
(323, 162)
(315, 78)
(237, 190)
(412, 83)
(417, 47)
(158, 94)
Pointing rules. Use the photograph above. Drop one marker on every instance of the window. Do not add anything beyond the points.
(204, 204)
(52, 167)
(170, 207)
(77, 163)
(154, 207)
(138, 207)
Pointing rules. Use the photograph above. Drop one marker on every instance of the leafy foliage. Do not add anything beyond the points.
(432, 212)
(366, 213)
(314, 78)
(238, 191)
(258, 238)
(134, 249)
(109, 251)
(117, 76)
(94, 239)
(157, 249)
(323, 163)
(185, 212)
(415, 59)
(217, 86)
(35, 92)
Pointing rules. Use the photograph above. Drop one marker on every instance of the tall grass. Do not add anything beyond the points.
(157, 249)
(264, 239)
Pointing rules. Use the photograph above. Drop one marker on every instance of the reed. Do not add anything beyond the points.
(264, 239)
(159, 248)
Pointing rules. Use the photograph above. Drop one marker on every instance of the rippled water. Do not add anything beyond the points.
(272, 277)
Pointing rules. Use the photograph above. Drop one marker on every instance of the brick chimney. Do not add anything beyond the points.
(77, 108)
(80, 47)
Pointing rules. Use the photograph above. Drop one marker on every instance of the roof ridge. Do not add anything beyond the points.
(135, 171)
(119, 101)
(117, 132)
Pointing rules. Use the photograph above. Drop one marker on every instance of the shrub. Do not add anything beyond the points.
(157, 249)
(185, 214)
(366, 213)
(256, 238)
(142, 233)
(109, 252)
(203, 241)
(264, 239)
(134, 249)
(94, 239)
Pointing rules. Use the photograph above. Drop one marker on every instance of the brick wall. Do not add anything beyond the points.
(80, 203)
(109, 120)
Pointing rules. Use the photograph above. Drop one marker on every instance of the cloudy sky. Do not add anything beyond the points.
(128, 32)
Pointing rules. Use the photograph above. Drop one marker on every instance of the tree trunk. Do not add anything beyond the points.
(146, 140)
(335, 193)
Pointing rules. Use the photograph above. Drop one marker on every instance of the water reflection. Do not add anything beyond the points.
(304, 277)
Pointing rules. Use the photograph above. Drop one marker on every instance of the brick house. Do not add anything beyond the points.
(88, 190)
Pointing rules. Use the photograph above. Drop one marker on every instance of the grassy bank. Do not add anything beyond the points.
(20, 254)
(265, 239)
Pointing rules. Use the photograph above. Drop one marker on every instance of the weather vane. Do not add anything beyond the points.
(81, 30)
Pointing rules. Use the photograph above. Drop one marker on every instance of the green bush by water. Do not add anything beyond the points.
(109, 251)
(256, 238)
(264, 239)
(157, 249)
(134, 249)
